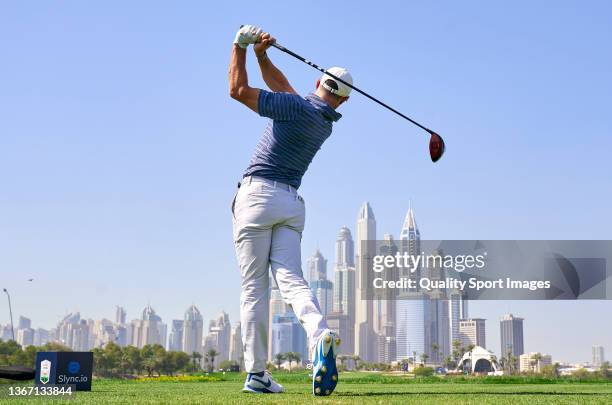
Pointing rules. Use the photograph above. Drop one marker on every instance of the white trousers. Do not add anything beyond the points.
(268, 220)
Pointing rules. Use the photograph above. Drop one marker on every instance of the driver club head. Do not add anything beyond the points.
(436, 147)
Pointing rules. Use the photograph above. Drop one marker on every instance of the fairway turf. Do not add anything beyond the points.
(400, 390)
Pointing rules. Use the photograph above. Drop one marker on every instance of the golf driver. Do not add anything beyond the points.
(436, 144)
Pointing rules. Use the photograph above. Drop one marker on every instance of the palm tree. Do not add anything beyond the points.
(424, 357)
(537, 357)
(278, 359)
(434, 349)
(293, 356)
(356, 360)
(211, 354)
(448, 362)
(457, 350)
(195, 358)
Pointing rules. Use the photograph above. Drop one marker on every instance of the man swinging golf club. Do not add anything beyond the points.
(268, 213)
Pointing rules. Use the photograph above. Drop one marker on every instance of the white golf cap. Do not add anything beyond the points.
(341, 73)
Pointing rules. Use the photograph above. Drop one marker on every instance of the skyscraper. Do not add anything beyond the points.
(344, 274)
(148, 330)
(24, 323)
(342, 318)
(598, 356)
(193, 327)
(236, 348)
(120, 316)
(384, 311)
(317, 267)
(457, 310)
(472, 332)
(321, 287)
(277, 306)
(288, 336)
(511, 336)
(219, 333)
(345, 249)
(175, 340)
(324, 291)
(365, 338)
(413, 306)
(439, 317)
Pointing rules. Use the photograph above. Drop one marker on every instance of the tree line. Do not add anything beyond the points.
(113, 360)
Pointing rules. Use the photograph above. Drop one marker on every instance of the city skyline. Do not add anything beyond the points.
(449, 321)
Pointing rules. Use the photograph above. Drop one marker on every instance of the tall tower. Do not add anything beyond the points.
(321, 287)
(193, 328)
(236, 348)
(511, 336)
(413, 306)
(342, 318)
(175, 340)
(120, 316)
(317, 267)
(277, 306)
(344, 274)
(598, 356)
(457, 310)
(439, 318)
(365, 339)
(472, 332)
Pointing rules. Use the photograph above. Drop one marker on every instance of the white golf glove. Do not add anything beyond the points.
(246, 35)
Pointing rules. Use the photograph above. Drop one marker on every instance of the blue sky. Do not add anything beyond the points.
(120, 147)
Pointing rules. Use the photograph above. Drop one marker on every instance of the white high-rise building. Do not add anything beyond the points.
(81, 337)
(148, 330)
(324, 291)
(236, 348)
(439, 316)
(457, 310)
(413, 332)
(534, 362)
(342, 317)
(277, 306)
(598, 356)
(65, 328)
(317, 267)
(24, 323)
(345, 249)
(193, 328)
(25, 337)
(41, 337)
(120, 316)
(219, 333)
(175, 339)
(321, 287)
(344, 274)
(366, 343)
(385, 309)
(472, 332)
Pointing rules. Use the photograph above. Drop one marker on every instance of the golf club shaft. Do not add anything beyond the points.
(295, 55)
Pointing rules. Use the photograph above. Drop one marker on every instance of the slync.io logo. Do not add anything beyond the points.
(74, 367)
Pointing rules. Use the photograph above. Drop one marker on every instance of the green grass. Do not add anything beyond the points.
(358, 388)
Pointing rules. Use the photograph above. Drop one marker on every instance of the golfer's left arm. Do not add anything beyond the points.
(239, 82)
(274, 78)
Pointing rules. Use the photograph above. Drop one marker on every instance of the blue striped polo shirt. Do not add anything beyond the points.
(297, 129)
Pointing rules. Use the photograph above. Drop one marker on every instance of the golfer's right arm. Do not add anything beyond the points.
(239, 82)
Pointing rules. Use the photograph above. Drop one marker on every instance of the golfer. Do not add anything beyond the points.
(268, 213)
